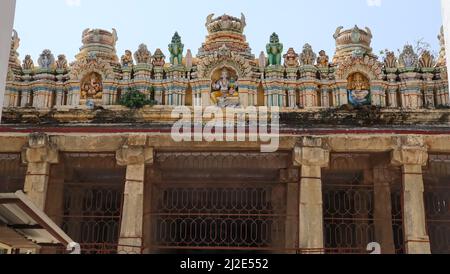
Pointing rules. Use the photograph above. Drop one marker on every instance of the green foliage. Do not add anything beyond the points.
(135, 99)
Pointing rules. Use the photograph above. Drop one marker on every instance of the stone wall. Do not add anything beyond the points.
(310, 153)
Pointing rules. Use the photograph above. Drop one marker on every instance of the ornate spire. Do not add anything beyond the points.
(408, 58)
(225, 23)
(442, 60)
(100, 43)
(14, 61)
(352, 41)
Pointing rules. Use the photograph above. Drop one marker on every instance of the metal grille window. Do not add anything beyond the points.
(437, 203)
(12, 173)
(348, 213)
(244, 210)
(93, 194)
(397, 217)
(355, 212)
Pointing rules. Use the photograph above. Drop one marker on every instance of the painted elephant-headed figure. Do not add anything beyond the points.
(274, 50)
(176, 49)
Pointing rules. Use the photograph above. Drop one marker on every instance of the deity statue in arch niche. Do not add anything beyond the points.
(92, 87)
(225, 88)
(359, 90)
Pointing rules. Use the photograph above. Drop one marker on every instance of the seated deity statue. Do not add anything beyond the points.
(92, 88)
(225, 87)
(323, 59)
(127, 59)
(359, 90)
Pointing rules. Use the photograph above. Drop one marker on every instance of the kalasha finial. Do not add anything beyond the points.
(225, 23)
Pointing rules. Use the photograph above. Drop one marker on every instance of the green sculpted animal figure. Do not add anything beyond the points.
(176, 50)
(274, 50)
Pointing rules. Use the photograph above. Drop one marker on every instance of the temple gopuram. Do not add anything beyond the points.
(363, 157)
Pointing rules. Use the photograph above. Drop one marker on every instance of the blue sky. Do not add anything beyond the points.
(58, 24)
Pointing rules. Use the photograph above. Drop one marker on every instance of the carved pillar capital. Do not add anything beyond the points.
(39, 154)
(311, 152)
(135, 152)
(40, 149)
(411, 150)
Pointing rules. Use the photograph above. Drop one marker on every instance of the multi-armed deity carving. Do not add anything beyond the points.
(176, 49)
(291, 58)
(274, 50)
(28, 63)
(61, 63)
(358, 90)
(92, 87)
(323, 61)
(46, 60)
(159, 58)
(143, 55)
(224, 88)
(307, 57)
(408, 58)
(127, 59)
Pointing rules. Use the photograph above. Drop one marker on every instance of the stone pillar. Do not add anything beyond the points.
(441, 94)
(392, 98)
(310, 94)
(274, 86)
(410, 89)
(384, 233)
(411, 154)
(325, 101)
(340, 94)
(39, 155)
(292, 100)
(7, 12)
(134, 155)
(74, 94)
(311, 157)
(377, 88)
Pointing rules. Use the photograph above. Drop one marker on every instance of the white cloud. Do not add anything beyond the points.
(73, 3)
(374, 3)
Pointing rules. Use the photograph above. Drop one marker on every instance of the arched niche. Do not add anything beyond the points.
(91, 87)
(225, 86)
(358, 86)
